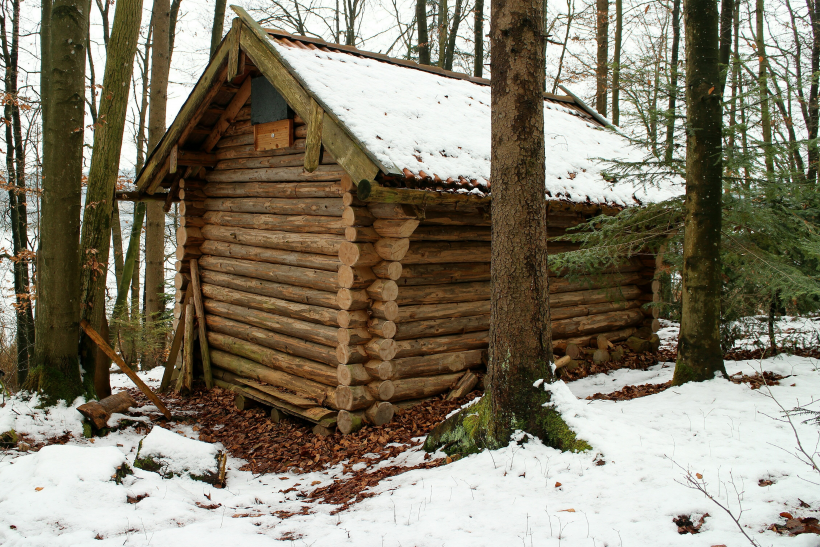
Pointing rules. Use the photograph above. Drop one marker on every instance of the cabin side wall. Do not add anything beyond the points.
(440, 316)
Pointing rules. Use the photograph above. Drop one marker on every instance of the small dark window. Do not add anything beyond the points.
(267, 105)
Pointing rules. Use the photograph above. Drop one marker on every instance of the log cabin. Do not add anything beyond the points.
(334, 239)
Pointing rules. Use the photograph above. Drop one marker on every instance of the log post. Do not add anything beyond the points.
(200, 313)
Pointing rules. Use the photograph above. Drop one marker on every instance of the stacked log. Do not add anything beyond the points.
(268, 235)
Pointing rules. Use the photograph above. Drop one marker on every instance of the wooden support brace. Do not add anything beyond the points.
(313, 143)
(176, 344)
(103, 345)
(228, 115)
(234, 52)
(172, 166)
(200, 313)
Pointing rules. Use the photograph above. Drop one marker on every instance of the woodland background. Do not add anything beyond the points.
(624, 58)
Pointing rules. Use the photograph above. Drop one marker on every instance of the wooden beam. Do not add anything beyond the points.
(205, 90)
(200, 313)
(176, 345)
(103, 345)
(371, 192)
(139, 196)
(313, 144)
(196, 157)
(348, 153)
(226, 119)
(172, 167)
(233, 54)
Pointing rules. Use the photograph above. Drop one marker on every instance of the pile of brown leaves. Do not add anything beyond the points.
(290, 445)
(796, 526)
(756, 380)
(631, 360)
(631, 392)
(686, 526)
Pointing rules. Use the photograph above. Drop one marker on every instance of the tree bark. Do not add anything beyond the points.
(442, 32)
(616, 63)
(478, 36)
(762, 82)
(520, 350)
(155, 219)
(673, 83)
(602, 66)
(219, 21)
(102, 175)
(699, 352)
(727, 11)
(424, 40)
(56, 371)
(814, 104)
(16, 170)
(451, 44)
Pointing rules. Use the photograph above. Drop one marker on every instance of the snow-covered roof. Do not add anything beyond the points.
(435, 126)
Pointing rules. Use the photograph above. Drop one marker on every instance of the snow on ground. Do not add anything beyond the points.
(64, 495)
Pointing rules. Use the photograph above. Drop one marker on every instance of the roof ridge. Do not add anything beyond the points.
(402, 62)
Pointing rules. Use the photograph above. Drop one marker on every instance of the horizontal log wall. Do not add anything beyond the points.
(439, 318)
(267, 235)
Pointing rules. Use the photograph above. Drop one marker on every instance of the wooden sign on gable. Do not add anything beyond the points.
(273, 135)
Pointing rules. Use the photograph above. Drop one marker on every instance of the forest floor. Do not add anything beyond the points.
(651, 444)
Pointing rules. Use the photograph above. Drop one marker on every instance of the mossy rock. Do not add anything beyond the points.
(164, 467)
(9, 439)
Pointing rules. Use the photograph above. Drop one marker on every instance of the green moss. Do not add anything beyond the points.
(88, 431)
(471, 430)
(122, 471)
(58, 381)
(9, 439)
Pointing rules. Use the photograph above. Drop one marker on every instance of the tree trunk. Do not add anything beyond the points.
(56, 372)
(699, 352)
(16, 166)
(102, 175)
(155, 220)
(478, 36)
(520, 346)
(727, 11)
(602, 67)
(616, 63)
(451, 44)
(763, 84)
(424, 41)
(442, 32)
(673, 83)
(814, 104)
(219, 20)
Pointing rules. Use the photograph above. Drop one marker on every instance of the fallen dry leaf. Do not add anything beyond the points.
(557, 484)
(698, 475)
(38, 488)
(567, 511)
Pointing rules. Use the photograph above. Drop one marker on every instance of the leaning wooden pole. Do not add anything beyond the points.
(103, 345)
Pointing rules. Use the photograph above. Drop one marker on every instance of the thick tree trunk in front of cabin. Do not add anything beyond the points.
(699, 352)
(102, 175)
(56, 371)
(520, 349)
(155, 219)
